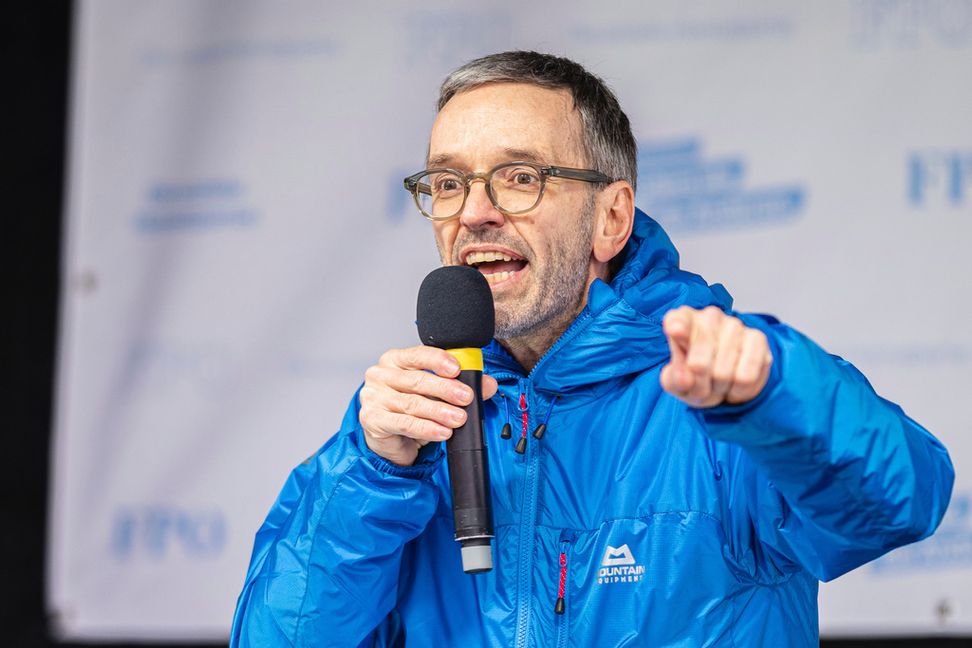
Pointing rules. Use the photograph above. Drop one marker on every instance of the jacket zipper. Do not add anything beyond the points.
(528, 520)
(560, 607)
(528, 515)
(566, 335)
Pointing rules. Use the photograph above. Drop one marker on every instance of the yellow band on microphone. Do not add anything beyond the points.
(470, 359)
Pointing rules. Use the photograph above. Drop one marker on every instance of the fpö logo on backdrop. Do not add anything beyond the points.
(158, 532)
(909, 24)
(194, 205)
(948, 548)
(940, 178)
(687, 193)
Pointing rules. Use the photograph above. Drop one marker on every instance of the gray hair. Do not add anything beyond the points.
(607, 138)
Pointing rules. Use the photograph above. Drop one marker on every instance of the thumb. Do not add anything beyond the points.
(490, 387)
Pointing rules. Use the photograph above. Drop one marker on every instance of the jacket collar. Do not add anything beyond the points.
(619, 330)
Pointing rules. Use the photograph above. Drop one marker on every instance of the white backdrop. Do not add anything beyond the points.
(239, 248)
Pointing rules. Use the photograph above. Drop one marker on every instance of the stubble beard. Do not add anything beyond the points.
(559, 285)
(558, 290)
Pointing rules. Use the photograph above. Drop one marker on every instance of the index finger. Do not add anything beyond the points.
(426, 358)
(677, 325)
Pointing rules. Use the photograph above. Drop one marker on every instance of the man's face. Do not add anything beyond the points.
(545, 265)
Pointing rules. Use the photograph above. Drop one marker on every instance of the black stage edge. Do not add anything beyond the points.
(35, 41)
(35, 37)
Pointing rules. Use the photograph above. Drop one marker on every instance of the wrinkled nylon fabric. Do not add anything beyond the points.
(679, 527)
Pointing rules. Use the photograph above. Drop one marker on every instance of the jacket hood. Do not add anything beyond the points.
(619, 331)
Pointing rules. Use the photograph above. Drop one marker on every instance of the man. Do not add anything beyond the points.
(698, 471)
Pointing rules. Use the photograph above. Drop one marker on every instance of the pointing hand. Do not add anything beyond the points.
(715, 359)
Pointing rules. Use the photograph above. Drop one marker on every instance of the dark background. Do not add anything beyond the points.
(36, 41)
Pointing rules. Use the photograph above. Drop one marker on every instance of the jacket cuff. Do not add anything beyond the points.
(426, 463)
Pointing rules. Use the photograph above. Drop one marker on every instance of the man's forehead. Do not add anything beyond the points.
(499, 122)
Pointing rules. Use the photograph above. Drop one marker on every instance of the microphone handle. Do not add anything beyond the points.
(469, 475)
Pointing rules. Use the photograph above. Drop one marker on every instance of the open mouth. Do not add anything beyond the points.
(497, 266)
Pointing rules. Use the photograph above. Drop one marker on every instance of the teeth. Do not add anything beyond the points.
(497, 277)
(485, 257)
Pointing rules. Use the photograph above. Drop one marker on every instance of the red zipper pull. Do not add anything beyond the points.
(521, 444)
(559, 607)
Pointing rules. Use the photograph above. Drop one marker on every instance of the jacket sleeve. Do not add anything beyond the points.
(839, 475)
(325, 563)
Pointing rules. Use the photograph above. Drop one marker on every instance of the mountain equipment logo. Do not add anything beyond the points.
(618, 566)
(620, 556)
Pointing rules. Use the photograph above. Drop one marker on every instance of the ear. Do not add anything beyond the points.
(614, 220)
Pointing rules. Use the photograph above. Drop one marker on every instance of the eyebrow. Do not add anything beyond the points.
(523, 154)
(513, 154)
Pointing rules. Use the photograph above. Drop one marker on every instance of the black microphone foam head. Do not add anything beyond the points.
(455, 308)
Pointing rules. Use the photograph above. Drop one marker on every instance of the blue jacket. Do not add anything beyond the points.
(655, 523)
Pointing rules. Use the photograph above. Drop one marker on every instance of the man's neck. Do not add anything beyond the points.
(529, 348)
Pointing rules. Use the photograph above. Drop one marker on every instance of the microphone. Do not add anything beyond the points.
(455, 313)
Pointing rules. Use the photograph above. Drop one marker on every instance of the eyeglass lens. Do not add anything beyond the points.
(515, 188)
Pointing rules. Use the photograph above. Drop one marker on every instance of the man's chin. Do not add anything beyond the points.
(513, 325)
(507, 329)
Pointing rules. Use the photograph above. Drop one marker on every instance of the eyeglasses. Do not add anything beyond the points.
(512, 187)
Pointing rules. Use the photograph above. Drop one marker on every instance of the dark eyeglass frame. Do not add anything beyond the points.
(544, 171)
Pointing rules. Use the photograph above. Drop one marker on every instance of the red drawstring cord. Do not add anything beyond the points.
(559, 607)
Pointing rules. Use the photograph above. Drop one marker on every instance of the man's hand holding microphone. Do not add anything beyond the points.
(411, 397)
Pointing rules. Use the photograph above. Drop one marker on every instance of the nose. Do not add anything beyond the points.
(479, 212)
